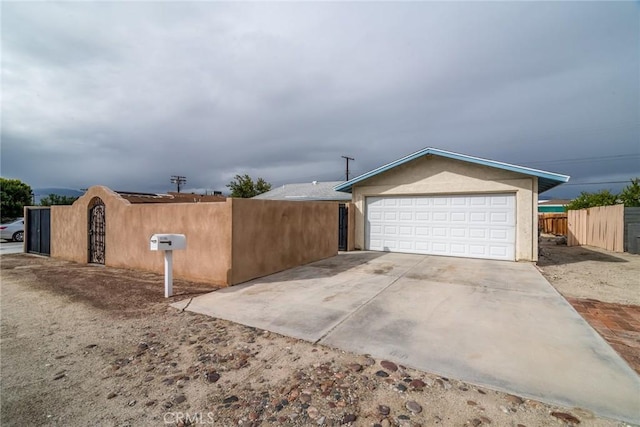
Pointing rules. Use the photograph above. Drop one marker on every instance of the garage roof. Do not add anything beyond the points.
(546, 180)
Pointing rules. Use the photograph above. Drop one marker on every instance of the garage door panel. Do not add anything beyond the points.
(458, 233)
(458, 217)
(477, 226)
(440, 216)
(423, 231)
(405, 216)
(406, 231)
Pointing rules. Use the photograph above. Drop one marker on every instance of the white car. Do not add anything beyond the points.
(13, 230)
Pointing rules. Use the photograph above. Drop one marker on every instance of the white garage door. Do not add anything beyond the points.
(474, 226)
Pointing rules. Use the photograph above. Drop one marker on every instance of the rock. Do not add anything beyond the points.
(417, 384)
(475, 422)
(230, 399)
(385, 423)
(485, 420)
(143, 346)
(150, 403)
(369, 361)
(212, 377)
(414, 407)
(348, 418)
(482, 391)
(148, 378)
(389, 366)
(382, 374)
(312, 412)
(320, 421)
(567, 418)
(305, 398)
(471, 403)
(92, 346)
(59, 375)
(384, 410)
(179, 398)
(132, 403)
(514, 399)
(355, 367)
(401, 388)
(111, 395)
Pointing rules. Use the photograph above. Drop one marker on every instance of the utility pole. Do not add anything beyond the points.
(347, 158)
(178, 180)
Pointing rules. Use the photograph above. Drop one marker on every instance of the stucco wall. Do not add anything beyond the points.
(433, 175)
(227, 242)
(271, 235)
(129, 227)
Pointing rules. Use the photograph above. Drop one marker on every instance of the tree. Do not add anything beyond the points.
(14, 196)
(589, 200)
(55, 199)
(243, 186)
(630, 195)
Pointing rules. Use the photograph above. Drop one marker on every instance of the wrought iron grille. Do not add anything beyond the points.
(97, 231)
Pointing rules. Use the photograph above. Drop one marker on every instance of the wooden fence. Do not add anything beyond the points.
(602, 227)
(553, 223)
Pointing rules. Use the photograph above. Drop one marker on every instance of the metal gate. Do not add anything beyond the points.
(96, 231)
(38, 230)
(342, 227)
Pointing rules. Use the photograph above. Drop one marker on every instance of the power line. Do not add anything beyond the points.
(178, 181)
(587, 159)
(597, 183)
(347, 158)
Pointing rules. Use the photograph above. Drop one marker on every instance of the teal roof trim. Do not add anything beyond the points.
(546, 180)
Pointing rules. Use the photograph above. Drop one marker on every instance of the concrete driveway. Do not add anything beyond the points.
(492, 323)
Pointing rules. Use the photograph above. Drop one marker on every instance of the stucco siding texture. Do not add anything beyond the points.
(227, 242)
(207, 227)
(69, 233)
(271, 236)
(433, 175)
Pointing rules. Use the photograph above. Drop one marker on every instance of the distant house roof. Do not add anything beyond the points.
(134, 197)
(554, 202)
(307, 191)
(546, 180)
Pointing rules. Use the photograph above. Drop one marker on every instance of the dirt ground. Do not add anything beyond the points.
(89, 345)
(593, 273)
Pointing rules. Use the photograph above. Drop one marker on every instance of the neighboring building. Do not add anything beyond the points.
(442, 203)
(552, 206)
(308, 191)
(171, 197)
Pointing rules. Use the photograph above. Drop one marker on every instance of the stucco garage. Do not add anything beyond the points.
(441, 203)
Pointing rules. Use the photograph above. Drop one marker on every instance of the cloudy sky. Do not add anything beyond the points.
(128, 94)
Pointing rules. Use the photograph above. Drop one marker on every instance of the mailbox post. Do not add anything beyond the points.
(168, 243)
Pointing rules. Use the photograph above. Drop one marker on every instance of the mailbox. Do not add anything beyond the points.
(168, 242)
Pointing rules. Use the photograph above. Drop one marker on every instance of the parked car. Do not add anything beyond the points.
(13, 230)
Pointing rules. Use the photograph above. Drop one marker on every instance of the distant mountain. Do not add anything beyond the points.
(39, 193)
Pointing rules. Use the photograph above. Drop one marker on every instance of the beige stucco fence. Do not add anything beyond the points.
(602, 227)
(227, 242)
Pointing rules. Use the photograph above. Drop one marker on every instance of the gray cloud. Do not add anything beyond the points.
(127, 94)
